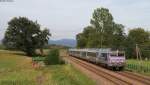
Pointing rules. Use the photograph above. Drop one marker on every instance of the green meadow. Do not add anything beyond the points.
(17, 69)
(142, 67)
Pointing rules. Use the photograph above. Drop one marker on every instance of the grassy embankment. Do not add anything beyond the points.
(142, 67)
(17, 69)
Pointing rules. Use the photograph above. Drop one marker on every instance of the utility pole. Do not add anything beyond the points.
(137, 57)
(138, 53)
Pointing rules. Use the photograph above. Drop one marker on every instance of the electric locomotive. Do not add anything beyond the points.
(104, 56)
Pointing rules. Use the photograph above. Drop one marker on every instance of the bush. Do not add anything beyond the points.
(2, 46)
(53, 57)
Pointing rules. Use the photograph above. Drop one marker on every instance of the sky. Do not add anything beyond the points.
(66, 18)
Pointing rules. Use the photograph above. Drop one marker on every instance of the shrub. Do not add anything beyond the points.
(2, 46)
(53, 57)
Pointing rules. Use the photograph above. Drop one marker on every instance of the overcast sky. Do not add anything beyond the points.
(66, 18)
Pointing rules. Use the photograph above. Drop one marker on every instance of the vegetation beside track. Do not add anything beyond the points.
(142, 67)
(68, 75)
(17, 69)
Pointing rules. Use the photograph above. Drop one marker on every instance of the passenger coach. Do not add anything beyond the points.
(107, 57)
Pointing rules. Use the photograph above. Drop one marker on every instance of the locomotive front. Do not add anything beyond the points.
(116, 59)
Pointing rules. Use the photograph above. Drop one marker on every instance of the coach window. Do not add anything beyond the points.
(91, 54)
(83, 54)
(78, 52)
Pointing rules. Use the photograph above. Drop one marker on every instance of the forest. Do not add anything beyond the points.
(104, 32)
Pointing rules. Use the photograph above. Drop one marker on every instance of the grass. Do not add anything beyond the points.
(69, 76)
(12, 59)
(17, 69)
(143, 62)
(142, 67)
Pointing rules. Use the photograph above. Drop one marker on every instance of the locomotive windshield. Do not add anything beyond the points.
(120, 54)
(117, 54)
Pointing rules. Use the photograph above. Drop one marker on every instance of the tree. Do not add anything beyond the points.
(25, 35)
(92, 41)
(102, 20)
(84, 38)
(81, 41)
(43, 39)
(103, 32)
(118, 36)
(138, 36)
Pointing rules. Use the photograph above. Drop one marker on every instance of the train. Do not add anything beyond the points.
(112, 59)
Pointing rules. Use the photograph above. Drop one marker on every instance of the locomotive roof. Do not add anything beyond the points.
(102, 50)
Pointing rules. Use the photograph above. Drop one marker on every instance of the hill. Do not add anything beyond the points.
(64, 42)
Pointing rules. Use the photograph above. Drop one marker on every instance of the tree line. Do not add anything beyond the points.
(103, 32)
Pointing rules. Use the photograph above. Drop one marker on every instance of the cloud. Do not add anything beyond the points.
(131, 13)
(66, 18)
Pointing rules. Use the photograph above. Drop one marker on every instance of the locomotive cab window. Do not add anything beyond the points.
(120, 54)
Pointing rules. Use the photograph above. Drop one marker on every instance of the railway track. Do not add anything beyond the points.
(145, 80)
(117, 78)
